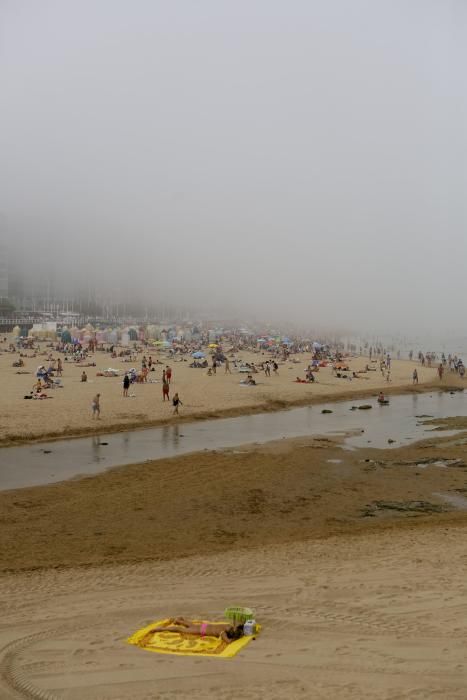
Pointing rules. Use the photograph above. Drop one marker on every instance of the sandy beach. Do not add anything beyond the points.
(374, 618)
(353, 562)
(68, 411)
(232, 367)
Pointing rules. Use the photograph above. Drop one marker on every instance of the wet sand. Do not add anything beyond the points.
(68, 412)
(357, 572)
(216, 501)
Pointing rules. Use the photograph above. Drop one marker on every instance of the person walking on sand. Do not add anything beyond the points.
(275, 367)
(165, 390)
(126, 384)
(227, 366)
(440, 371)
(59, 367)
(415, 376)
(176, 403)
(168, 374)
(96, 406)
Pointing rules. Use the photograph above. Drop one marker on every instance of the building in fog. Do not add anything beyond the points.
(4, 290)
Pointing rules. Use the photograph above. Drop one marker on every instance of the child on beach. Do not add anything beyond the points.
(176, 402)
(126, 384)
(96, 406)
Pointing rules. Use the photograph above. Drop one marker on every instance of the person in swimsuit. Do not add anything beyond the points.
(176, 403)
(224, 630)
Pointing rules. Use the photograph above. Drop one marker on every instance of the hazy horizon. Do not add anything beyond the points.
(301, 160)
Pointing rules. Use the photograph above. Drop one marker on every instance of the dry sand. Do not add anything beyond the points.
(68, 412)
(365, 618)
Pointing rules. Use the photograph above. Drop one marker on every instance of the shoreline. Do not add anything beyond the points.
(153, 499)
(273, 405)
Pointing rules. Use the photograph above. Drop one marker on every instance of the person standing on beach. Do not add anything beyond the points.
(165, 389)
(176, 403)
(168, 374)
(59, 367)
(96, 406)
(275, 368)
(227, 366)
(415, 376)
(126, 384)
(440, 371)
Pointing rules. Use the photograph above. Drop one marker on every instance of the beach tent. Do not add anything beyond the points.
(66, 336)
(133, 335)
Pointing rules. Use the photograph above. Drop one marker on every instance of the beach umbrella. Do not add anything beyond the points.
(198, 355)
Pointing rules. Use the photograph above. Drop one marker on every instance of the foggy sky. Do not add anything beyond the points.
(302, 159)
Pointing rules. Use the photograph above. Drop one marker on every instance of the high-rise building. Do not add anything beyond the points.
(3, 271)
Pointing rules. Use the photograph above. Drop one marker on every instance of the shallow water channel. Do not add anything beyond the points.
(45, 463)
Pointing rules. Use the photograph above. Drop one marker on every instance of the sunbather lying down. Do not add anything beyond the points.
(224, 630)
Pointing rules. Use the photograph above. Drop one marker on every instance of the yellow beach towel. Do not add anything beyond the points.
(185, 644)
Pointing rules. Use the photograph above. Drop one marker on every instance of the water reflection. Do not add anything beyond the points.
(175, 436)
(390, 426)
(95, 448)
